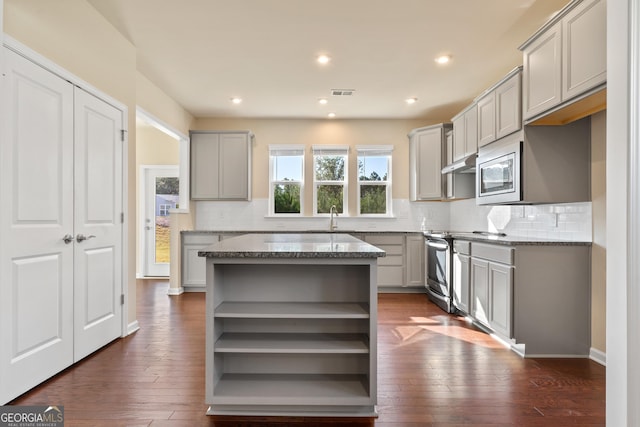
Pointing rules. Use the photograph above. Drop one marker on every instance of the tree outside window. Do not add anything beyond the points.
(286, 172)
(374, 180)
(330, 178)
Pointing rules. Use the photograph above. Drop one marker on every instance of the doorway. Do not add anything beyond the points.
(161, 195)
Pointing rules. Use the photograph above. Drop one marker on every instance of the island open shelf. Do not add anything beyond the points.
(292, 335)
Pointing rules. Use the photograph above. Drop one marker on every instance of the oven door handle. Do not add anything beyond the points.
(438, 245)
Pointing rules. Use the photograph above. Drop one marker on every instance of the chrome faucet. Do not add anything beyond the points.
(333, 223)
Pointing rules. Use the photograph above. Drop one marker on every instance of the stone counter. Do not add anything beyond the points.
(292, 245)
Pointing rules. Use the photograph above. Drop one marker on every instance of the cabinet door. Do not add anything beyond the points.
(541, 76)
(204, 166)
(461, 281)
(500, 298)
(429, 157)
(415, 260)
(480, 290)
(233, 164)
(487, 119)
(459, 138)
(471, 131)
(193, 266)
(584, 48)
(509, 106)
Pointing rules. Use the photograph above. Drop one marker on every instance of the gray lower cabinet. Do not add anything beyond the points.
(462, 275)
(414, 256)
(390, 267)
(536, 297)
(401, 270)
(193, 266)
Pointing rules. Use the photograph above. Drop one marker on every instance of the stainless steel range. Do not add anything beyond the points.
(439, 278)
(439, 266)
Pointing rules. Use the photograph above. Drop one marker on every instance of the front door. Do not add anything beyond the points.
(97, 224)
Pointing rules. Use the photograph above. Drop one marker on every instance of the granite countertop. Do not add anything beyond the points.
(516, 240)
(339, 231)
(292, 245)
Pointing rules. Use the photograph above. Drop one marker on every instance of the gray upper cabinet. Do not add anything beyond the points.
(584, 48)
(500, 109)
(487, 119)
(465, 133)
(566, 60)
(220, 165)
(427, 154)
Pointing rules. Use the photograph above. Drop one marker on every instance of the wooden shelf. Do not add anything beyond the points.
(292, 310)
(291, 389)
(292, 343)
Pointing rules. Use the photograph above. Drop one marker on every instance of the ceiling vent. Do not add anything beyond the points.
(342, 92)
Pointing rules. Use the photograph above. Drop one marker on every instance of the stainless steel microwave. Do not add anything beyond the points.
(499, 172)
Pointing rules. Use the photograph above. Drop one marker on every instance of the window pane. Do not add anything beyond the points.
(286, 198)
(373, 168)
(329, 168)
(329, 195)
(373, 199)
(287, 168)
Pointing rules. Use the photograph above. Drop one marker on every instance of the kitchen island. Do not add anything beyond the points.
(291, 325)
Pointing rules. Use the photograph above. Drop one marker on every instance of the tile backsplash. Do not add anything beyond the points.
(570, 221)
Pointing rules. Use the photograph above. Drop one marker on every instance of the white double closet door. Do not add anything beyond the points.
(61, 159)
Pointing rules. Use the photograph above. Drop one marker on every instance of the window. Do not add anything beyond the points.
(330, 172)
(164, 210)
(286, 179)
(374, 180)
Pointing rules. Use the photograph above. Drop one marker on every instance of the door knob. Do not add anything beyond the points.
(82, 237)
(68, 238)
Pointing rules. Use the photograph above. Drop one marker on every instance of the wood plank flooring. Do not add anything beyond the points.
(433, 370)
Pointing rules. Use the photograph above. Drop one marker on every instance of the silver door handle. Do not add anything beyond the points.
(82, 237)
(68, 238)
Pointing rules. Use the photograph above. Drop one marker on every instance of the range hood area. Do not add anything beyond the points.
(464, 165)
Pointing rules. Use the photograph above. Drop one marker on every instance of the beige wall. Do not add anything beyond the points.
(599, 247)
(311, 132)
(156, 102)
(72, 34)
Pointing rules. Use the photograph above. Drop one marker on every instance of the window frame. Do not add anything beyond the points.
(375, 151)
(331, 151)
(283, 151)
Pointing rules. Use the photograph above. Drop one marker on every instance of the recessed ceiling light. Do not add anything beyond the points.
(236, 100)
(324, 59)
(411, 100)
(443, 59)
(331, 115)
(322, 101)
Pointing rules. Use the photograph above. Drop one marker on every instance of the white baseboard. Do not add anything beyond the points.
(598, 356)
(175, 291)
(132, 327)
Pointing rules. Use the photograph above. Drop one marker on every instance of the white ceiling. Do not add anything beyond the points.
(203, 52)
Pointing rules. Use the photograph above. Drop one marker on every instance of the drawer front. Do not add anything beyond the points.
(199, 239)
(462, 247)
(390, 259)
(496, 253)
(385, 239)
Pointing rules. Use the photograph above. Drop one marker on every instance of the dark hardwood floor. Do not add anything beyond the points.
(433, 370)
